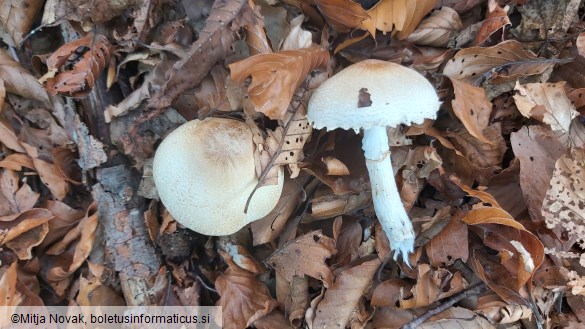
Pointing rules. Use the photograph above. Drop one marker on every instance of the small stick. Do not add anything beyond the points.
(450, 302)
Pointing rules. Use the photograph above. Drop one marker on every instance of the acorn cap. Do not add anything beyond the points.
(204, 172)
(398, 95)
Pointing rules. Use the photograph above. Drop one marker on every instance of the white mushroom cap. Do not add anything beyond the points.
(204, 172)
(399, 95)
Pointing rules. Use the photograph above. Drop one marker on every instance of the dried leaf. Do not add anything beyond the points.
(457, 317)
(276, 76)
(18, 197)
(538, 150)
(9, 295)
(389, 292)
(433, 285)
(564, 203)
(19, 81)
(437, 29)
(449, 245)
(548, 103)
(16, 19)
(472, 107)
(75, 66)
(244, 299)
(211, 46)
(23, 231)
(256, 37)
(305, 255)
(580, 43)
(342, 297)
(546, 19)
(401, 15)
(67, 255)
(496, 19)
(345, 15)
(297, 37)
(503, 62)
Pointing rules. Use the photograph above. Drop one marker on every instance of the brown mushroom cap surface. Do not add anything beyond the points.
(398, 95)
(204, 172)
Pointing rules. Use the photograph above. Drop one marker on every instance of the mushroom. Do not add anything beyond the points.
(204, 172)
(372, 95)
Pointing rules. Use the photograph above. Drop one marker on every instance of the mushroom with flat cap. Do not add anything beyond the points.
(204, 173)
(372, 95)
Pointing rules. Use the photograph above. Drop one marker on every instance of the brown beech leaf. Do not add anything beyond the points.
(68, 254)
(433, 285)
(19, 81)
(23, 231)
(546, 102)
(305, 255)
(401, 15)
(496, 19)
(10, 297)
(342, 297)
(256, 38)
(437, 29)
(345, 15)
(276, 77)
(472, 107)
(503, 62)
(244, 299)
(18, 197)
(75, 66)
(449, 245)
(389, 292)
(564, 203)
(538, 150)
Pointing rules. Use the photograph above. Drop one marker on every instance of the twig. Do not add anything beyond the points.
(450, 302)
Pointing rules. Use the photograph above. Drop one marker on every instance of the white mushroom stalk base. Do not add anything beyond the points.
(387, 203)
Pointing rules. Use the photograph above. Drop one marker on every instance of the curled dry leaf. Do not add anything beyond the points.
(472, 107)
(297, 37)
(15, 197)
(66, 256)
(276, 77)
(437, 29)
(23, 231)
(503, 62)
(433, 285)
(244, 299)
(388, 293)
(401, 15)
(546, 102)
(345, 15)
(564, 203)
(10, 297)
(19, 81)
(342, 297)
(305, 255)
(496, 19)
(75, 66)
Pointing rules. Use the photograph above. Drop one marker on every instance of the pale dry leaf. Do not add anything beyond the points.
(580, 43)
(546, 102)
(564, 203)
(256, 38)
(25, 230)
(16, 19)
(457, 317)
(276, 77)
(244, 299)
(437, 29)
(503, 62)
(297, 37)
(334, 166)
(10, 297)
(538, 150)
(18, 197)
(306, 255)
(401, 15)
(342, 297)
(19, 81)
(472, 107)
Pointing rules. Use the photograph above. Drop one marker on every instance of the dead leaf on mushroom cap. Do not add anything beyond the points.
(276, 77)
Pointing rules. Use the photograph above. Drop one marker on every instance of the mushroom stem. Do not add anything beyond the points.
(387, 202)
